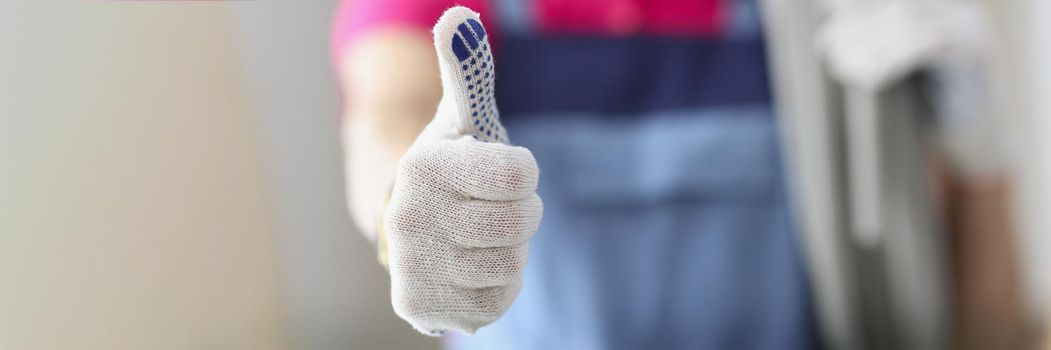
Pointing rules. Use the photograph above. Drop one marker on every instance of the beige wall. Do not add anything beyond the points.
(133, 210)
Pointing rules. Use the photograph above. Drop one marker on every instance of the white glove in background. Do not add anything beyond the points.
(464, 204)
(871, 44)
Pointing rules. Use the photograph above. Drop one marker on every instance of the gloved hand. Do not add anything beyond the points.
(464, 203)
(871, 44)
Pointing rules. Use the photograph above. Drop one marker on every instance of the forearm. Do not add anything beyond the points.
(392, 89)
(988, 302)
(369, 163)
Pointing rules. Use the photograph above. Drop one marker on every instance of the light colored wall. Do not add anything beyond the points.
(1031, 98)
(134, 210)
(1022, 86)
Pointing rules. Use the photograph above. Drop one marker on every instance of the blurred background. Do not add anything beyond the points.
(171, 178)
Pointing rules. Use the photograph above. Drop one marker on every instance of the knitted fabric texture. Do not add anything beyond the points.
(464, 202)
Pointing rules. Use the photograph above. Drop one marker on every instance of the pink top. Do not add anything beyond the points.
(354, 17)
(582, 17)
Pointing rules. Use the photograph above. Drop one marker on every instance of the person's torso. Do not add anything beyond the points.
(666, 224)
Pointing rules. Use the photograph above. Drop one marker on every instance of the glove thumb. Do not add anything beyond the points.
(467, 107)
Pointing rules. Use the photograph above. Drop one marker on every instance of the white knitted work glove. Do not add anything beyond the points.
(870, 44)
(464, 203)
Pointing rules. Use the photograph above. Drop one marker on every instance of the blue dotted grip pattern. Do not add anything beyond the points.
(476, 62)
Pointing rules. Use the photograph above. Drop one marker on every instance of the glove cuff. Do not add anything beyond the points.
(381, 236)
